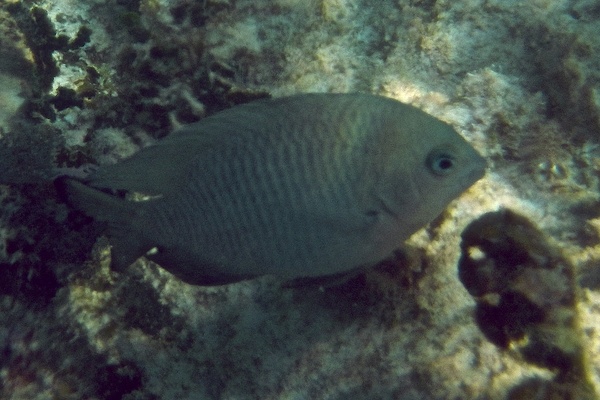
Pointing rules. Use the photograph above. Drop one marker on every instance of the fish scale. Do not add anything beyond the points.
(269, 192)
(273, 192)
(302, 187)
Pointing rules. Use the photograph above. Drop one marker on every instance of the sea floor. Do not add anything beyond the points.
(498, 298)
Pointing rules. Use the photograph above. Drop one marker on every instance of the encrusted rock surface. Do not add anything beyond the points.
(93, 81)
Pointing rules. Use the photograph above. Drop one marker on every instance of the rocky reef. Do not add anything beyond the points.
(498, 298)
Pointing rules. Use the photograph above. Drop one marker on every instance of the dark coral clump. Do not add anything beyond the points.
(45, 242)
(526, 294)
(517, 277)
(41, 38)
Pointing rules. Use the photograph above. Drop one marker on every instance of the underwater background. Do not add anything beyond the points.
(498, 298)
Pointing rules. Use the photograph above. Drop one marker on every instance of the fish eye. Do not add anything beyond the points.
(441, 163)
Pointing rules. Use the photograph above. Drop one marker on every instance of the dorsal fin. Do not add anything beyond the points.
(158, 168)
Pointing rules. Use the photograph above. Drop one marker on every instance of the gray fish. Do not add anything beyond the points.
(301, 187)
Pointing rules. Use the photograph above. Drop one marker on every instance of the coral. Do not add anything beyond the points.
(526, 297)
(93, 81)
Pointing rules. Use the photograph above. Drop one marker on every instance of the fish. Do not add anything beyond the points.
(307, 186)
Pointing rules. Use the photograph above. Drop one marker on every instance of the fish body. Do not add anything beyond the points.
(305, 186)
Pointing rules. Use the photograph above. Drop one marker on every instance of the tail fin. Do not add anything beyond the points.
(127, 245)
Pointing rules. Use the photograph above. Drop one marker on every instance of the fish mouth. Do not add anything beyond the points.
(477, 173)
(480, 169)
